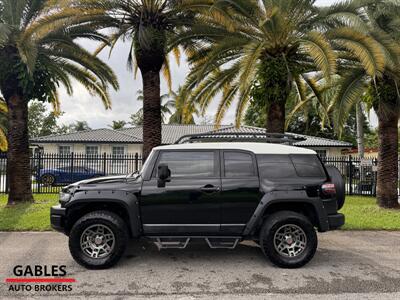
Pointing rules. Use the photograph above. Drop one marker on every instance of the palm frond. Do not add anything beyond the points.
(242, 102)
(318, 47)
(351, 89)
(367, 50)
(167, 73)
(3, 141)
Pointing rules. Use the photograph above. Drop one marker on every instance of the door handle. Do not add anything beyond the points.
(210, 188)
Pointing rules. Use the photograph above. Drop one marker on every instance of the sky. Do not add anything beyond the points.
(83, 107)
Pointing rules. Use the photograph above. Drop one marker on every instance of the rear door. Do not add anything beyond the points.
(240, 193)
(189, 203)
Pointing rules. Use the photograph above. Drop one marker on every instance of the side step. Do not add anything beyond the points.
(222, 243)
(169, 243)
(181, 242)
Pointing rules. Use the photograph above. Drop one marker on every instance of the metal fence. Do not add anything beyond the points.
(52, 171)
(359, 173)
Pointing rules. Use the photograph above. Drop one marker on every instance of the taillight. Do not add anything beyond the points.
(328, 189)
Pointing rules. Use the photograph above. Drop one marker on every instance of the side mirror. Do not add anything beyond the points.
(164, 175)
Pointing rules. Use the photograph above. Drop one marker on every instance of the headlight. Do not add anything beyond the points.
(64, 197)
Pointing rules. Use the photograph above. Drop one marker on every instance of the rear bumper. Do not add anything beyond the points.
(335, 221)
(57, 218)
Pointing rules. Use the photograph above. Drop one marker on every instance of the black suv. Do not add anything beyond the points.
(224, 193)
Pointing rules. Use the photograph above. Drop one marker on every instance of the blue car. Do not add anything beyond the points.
(65, 175)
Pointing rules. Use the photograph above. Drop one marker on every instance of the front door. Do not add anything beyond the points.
(189, 203)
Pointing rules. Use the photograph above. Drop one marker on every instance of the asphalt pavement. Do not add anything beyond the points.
(347, 265)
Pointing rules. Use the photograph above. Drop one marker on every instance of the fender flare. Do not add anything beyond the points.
(127, 200)
(299, 197)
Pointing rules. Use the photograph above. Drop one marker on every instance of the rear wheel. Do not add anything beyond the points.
(288, 239)
(98, 240)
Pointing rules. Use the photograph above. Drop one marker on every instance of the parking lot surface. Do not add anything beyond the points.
(348, 265)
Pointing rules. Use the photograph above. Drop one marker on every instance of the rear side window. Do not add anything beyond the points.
(308, 166)
(275, 166)
(189, 164)
(238, 164)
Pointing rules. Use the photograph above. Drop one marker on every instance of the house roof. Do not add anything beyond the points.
(171, 133)
(310, 141)
(103, 135)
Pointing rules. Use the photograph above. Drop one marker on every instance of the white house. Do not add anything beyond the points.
(130, 141)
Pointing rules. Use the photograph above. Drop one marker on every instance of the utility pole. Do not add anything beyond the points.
(360, 130)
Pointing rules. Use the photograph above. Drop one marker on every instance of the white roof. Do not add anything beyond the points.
(257, 148)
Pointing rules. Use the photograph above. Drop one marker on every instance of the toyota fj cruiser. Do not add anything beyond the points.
(276, 195)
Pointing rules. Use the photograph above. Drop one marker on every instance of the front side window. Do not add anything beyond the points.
(64, 150)
(238, 164)
(199, 164)
(92, 150)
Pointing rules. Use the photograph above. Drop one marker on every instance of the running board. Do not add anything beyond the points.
(222, 243)
(181, 242)
(171, 243)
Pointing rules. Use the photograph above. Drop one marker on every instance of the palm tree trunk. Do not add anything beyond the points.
(276, 117)
(151, 111)
(18, 161)
(387, 160)
(276, 83)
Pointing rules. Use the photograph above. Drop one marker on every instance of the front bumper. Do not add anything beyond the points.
(335, 221)
(57, 218)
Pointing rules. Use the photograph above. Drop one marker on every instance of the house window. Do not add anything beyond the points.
(64, 150)
(118, 162)
(118, 151)
(92, 150)
(321, 153)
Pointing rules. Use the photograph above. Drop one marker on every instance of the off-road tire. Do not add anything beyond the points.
(113, 222)
(272, 224)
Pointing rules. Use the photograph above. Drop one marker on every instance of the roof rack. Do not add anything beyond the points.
(276, 138)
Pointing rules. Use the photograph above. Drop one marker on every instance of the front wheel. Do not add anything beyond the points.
(98, 240)
(288, 239)
(48, 180)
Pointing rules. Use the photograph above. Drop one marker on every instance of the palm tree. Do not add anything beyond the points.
(38, 53)
(149, 25)
(379, 75)
(184, 110)
(80, 126)
(117, 124)
(262, 47)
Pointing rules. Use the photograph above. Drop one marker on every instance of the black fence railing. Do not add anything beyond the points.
(359, 173)
(52, 171)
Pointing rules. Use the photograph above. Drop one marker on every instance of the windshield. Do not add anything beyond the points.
(138, 173)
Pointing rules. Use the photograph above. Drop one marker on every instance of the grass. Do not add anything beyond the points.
(27, 217)
(361, 213)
